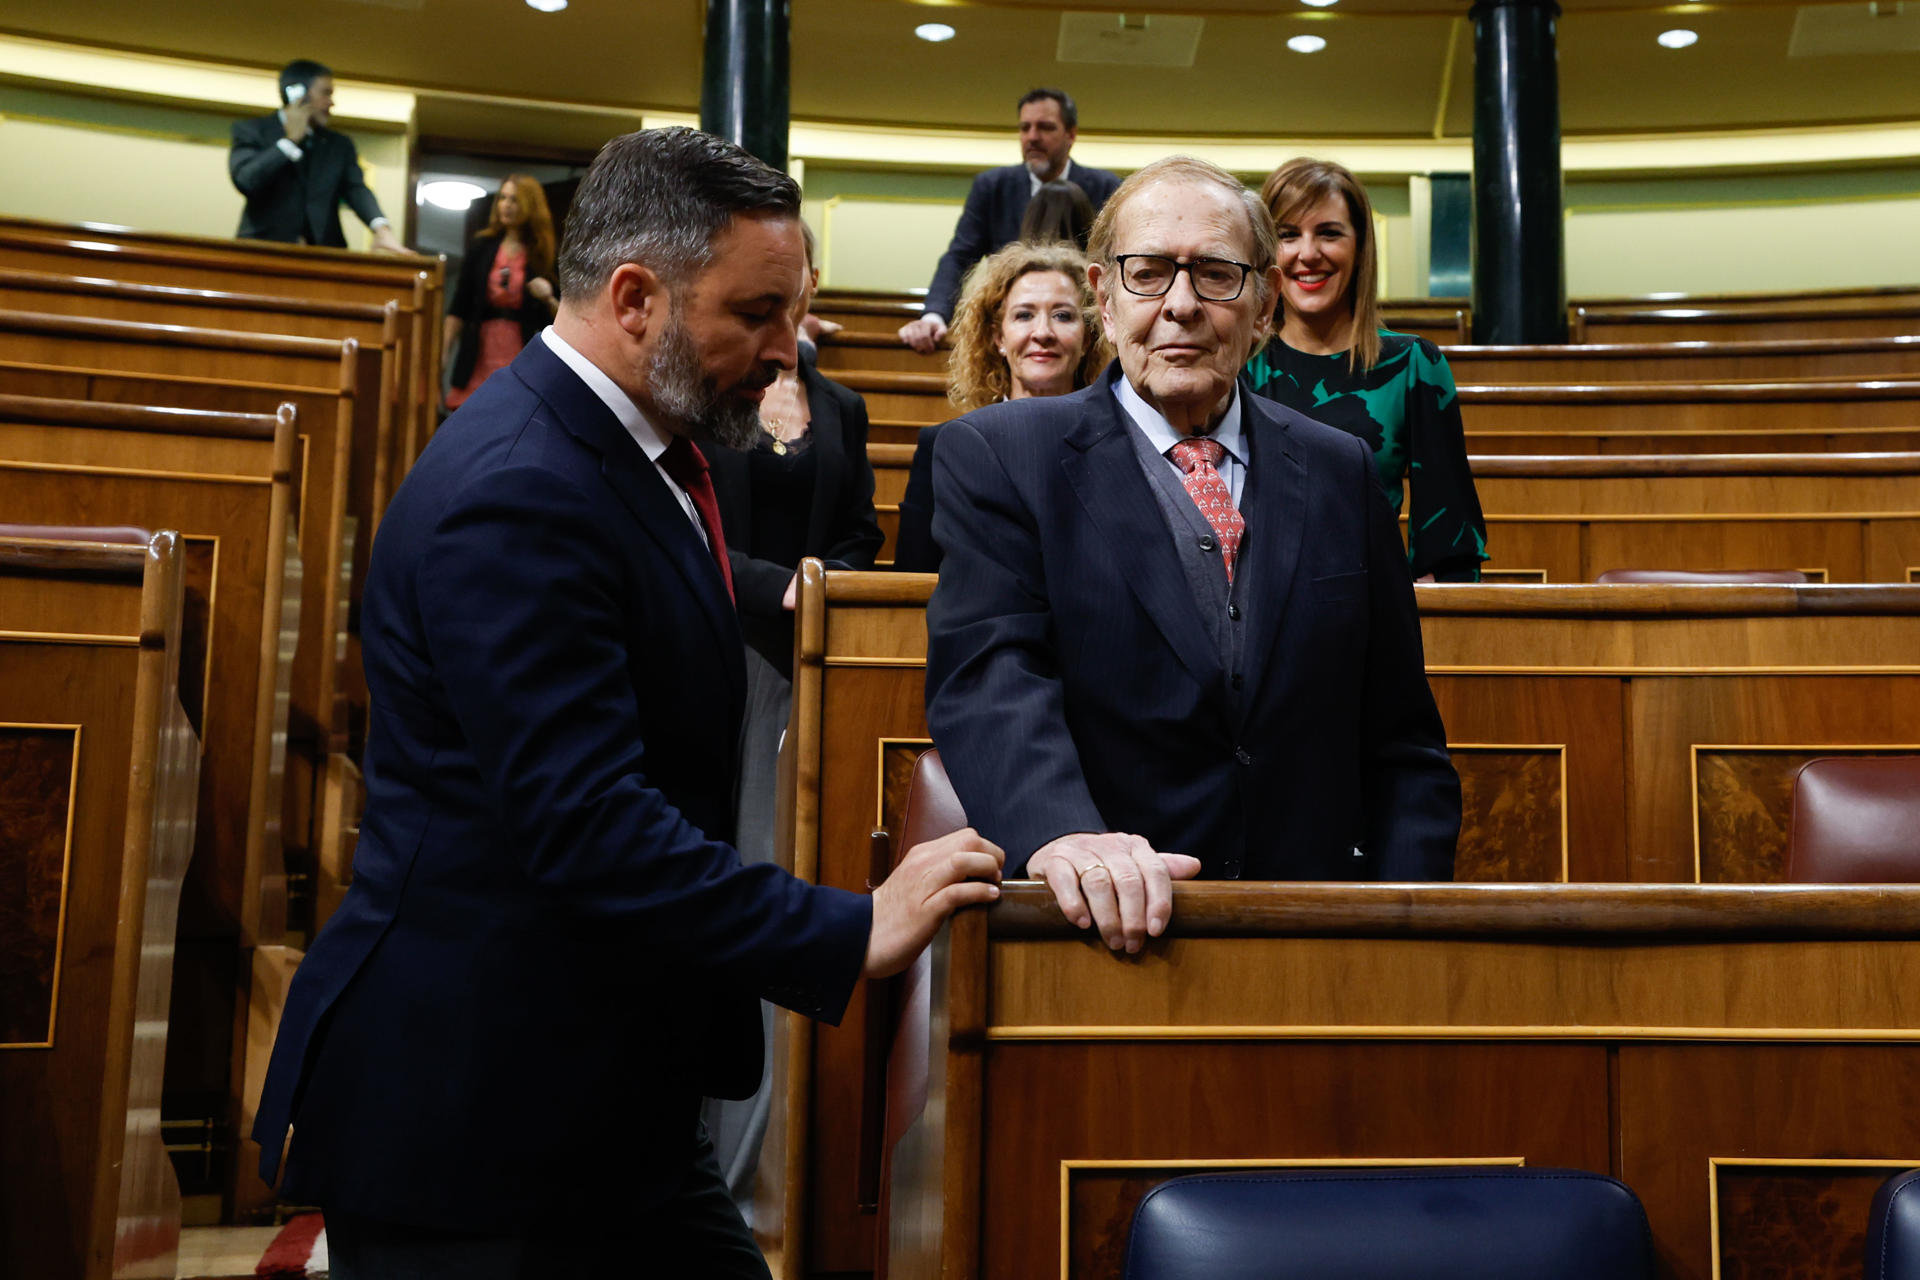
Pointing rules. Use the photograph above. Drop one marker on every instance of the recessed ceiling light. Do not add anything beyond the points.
(450, 194)
(936, 32)
(1678, 38)
(1306, 44)
(547, 6)
(1320, 4)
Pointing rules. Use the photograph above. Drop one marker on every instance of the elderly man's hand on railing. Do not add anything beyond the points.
(1116, 882)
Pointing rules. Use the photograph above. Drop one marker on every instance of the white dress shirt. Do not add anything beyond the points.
(652, 441)
(1034, 178)
(1163, 435)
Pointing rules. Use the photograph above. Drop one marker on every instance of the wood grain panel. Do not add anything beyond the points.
(1513, 816)
(1793, 1223)
(1583, 714)
(37, 764)
(1555, 549)
(1818, 435)
(1684, 1105)
(1050, 1104)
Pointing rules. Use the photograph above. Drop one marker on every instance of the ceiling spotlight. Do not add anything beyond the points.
(1320, 4)
(449, 194)
(934, 32)
(547, 6)
(1306, 44)
(1678, 38)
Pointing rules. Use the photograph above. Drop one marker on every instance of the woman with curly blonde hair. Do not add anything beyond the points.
(1025, 326)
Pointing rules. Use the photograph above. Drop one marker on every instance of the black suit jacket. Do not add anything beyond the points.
(914, 550)
(991, 218)
(1073, 683)
(549, 951)
(297, 202)
(841, 524)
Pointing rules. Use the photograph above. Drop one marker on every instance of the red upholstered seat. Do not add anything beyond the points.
(1683, 577)
(1856, 820)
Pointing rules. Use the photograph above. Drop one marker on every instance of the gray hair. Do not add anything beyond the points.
(658, 197)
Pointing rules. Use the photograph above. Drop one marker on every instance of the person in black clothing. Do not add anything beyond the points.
(805, 488)
(295, 170)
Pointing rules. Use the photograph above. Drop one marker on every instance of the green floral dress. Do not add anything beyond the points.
(1407, 409)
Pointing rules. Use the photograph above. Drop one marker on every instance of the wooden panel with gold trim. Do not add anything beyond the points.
(39, 782)
(1802, 1218)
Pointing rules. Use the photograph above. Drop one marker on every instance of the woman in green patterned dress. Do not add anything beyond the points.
(1330, 359)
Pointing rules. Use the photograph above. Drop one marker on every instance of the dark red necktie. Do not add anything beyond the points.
(688, 466)
(1200, 460)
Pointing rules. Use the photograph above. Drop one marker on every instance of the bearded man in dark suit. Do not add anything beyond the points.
(1174, 633)
(493, 1056)
(997, 201)
(295, 170)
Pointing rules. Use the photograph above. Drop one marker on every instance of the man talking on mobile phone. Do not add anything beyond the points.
(294, 169)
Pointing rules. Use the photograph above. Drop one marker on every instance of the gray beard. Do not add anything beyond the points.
(683, 392)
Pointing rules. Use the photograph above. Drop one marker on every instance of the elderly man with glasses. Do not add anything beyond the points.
(1174, 634)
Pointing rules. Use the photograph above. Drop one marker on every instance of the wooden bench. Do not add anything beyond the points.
(1601, 733)
(1736, 1055)
(1841, 517)
(1687, 361)
(1723, 322)
(97, 785)
(223, 482)
(415, 284)
(375, 329)
(1850, 404)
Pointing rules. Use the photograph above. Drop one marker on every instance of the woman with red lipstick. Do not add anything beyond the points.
(1024, 327)
(1330, 359)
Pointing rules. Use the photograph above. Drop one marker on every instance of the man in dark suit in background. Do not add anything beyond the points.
(1049, 122)
(1174, 632)
(294, 170)
(494, 1054)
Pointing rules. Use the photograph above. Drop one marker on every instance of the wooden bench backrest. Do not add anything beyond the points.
(1838, 517)
(1834, 404)
(416, 286)
(97, 782)
(339, 466)
(1766, 361)
(223, 482)
(1596, 731)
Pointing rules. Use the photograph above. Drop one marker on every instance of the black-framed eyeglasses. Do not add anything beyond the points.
(1151, 276)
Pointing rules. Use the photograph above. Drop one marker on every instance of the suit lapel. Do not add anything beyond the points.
(637, 483)
(1105, 474)
(1275, 507)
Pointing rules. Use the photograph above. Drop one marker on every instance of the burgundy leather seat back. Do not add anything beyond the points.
(932, 811)
(1686, 577)
(1856, 820)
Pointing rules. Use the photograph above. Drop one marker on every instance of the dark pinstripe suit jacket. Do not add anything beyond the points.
(1074, 685)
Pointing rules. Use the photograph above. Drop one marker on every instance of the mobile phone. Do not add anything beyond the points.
(295, 92)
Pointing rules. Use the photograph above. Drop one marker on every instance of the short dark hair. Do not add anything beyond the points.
(659, 197)
(1069, 114)
(303, 72)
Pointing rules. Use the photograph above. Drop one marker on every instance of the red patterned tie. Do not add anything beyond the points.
(1200, 460)
(688, 467)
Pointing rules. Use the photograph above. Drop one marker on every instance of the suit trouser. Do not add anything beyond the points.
(696, 1233)
(739, 1128)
